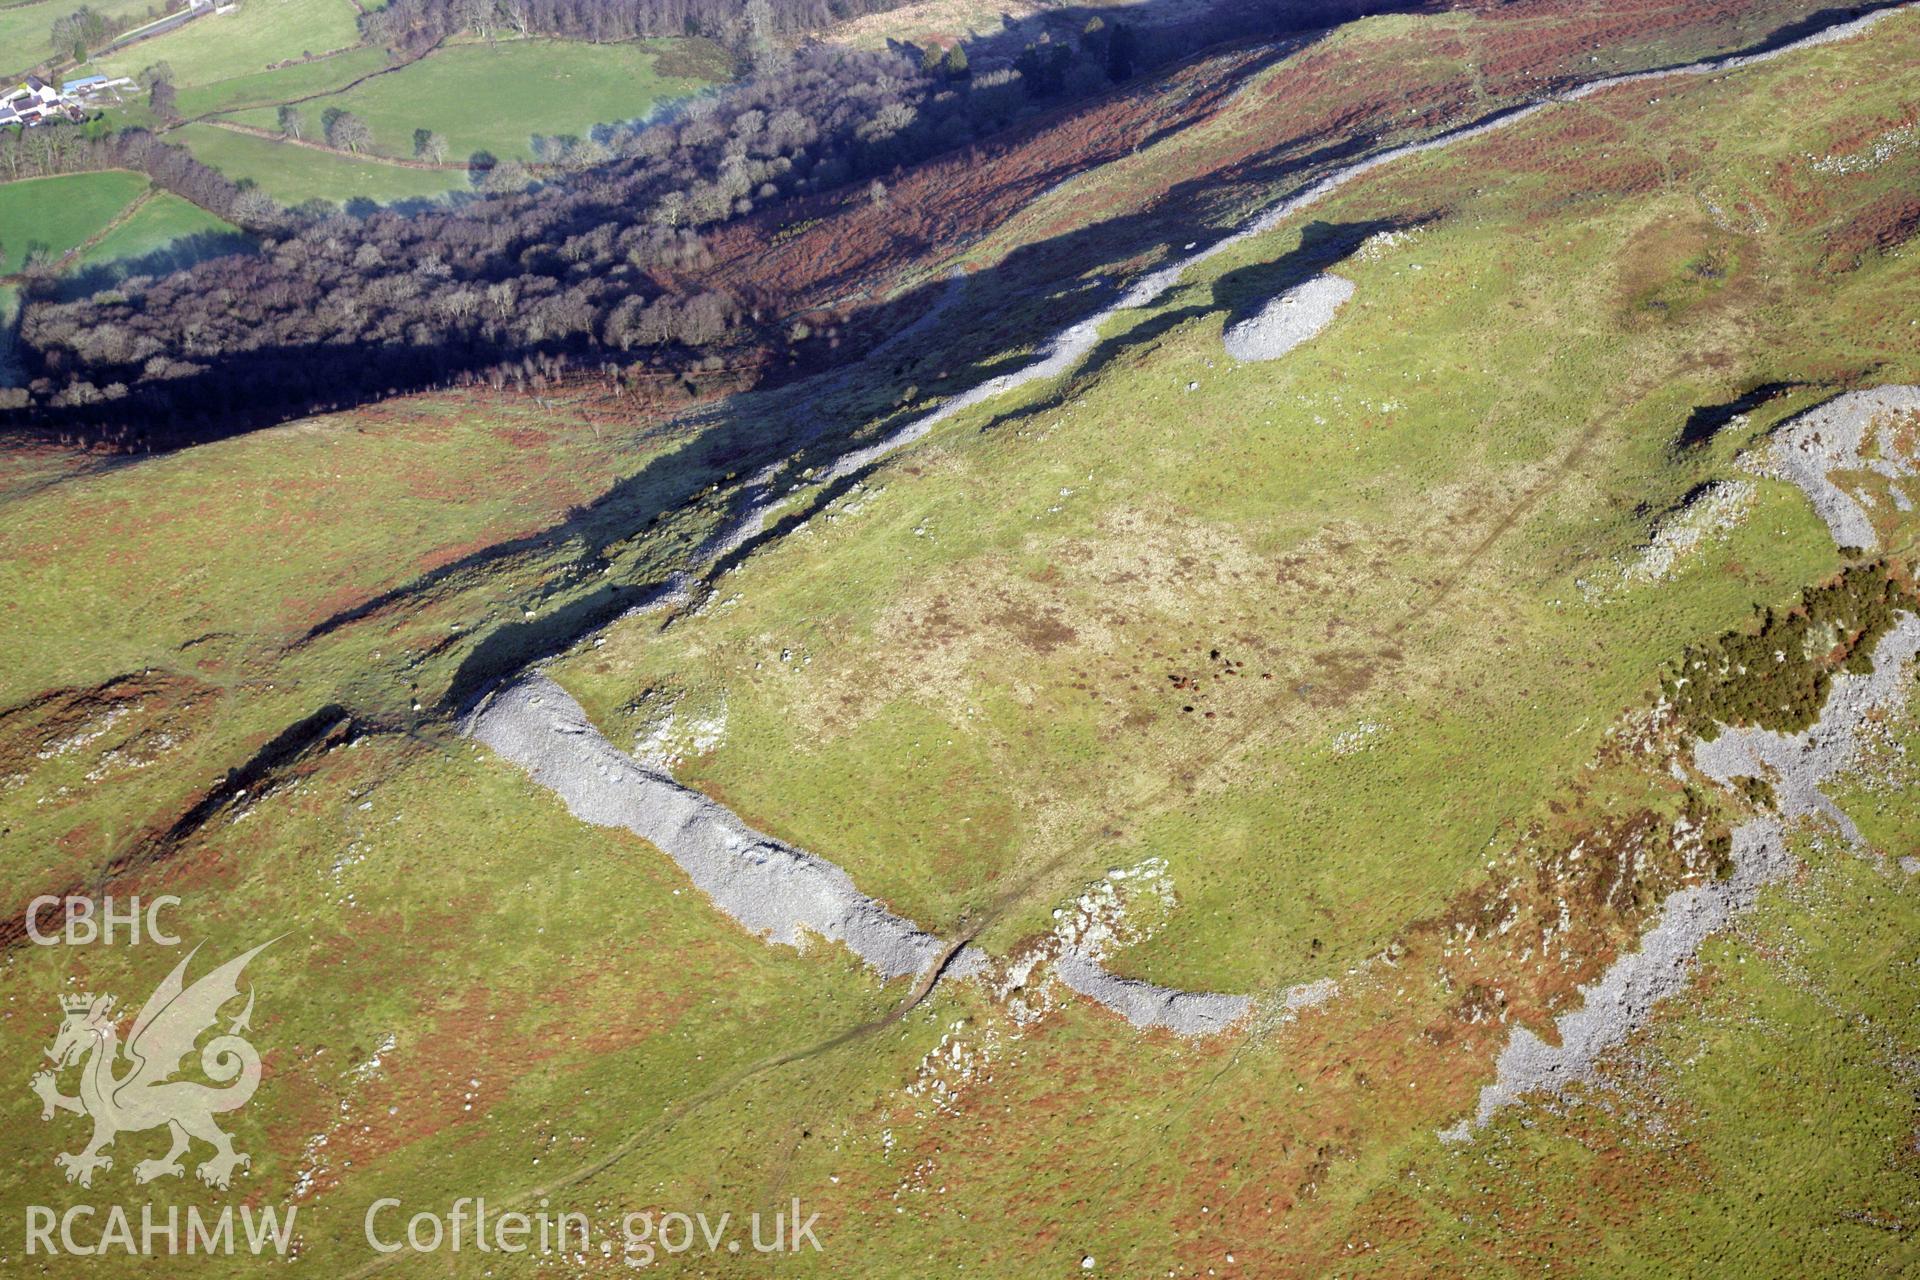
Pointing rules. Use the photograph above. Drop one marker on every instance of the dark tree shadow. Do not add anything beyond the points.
(177, 255)
(740, 443)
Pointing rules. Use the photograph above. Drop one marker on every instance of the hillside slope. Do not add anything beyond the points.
(1362, 681)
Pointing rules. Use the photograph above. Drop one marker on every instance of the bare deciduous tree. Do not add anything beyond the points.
(348, 132)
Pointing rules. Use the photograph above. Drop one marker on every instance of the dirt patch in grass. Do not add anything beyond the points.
(1040, 631)
(1678, 267)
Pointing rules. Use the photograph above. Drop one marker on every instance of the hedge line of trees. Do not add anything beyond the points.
(74, 35)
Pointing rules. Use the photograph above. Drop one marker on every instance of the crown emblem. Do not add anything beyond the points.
(81, 1004)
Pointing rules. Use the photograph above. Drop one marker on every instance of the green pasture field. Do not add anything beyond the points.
(268, 89)
(560, 89)
(59, 213)
(25, 29)
(497, 98)
(243, 43)
(295, 175)
(158, 223)
(164, 234)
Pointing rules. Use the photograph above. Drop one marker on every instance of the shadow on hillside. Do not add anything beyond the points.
(812, 420)
(240, 391)
(1016, 304)
(1803, 27)
(11, 370)
(1235, 296)
(1707, 421)
(1157, 26)
(1238, 294)
(360, 208)
(738, 444)
(177, 255)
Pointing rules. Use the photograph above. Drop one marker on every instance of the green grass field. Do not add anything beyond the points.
(244, 43)
(295, 175)
(559, 89)
(1385, 531)
(497, 98)
(287, 84)
(165, 234)
(25, 28)
(88, 203)
(156, 225)
(59, 214)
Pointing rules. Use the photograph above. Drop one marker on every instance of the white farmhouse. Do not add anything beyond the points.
(31, 102)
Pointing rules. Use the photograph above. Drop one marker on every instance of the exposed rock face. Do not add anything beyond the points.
(771, 888)
(1187, 1013)
(1294, 317)
(1830, 437)
(1796, 765)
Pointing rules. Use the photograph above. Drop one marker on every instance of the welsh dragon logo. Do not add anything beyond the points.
(145, 1094)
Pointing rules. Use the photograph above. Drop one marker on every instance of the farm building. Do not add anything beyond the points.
(96, 90)
(33, 101)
